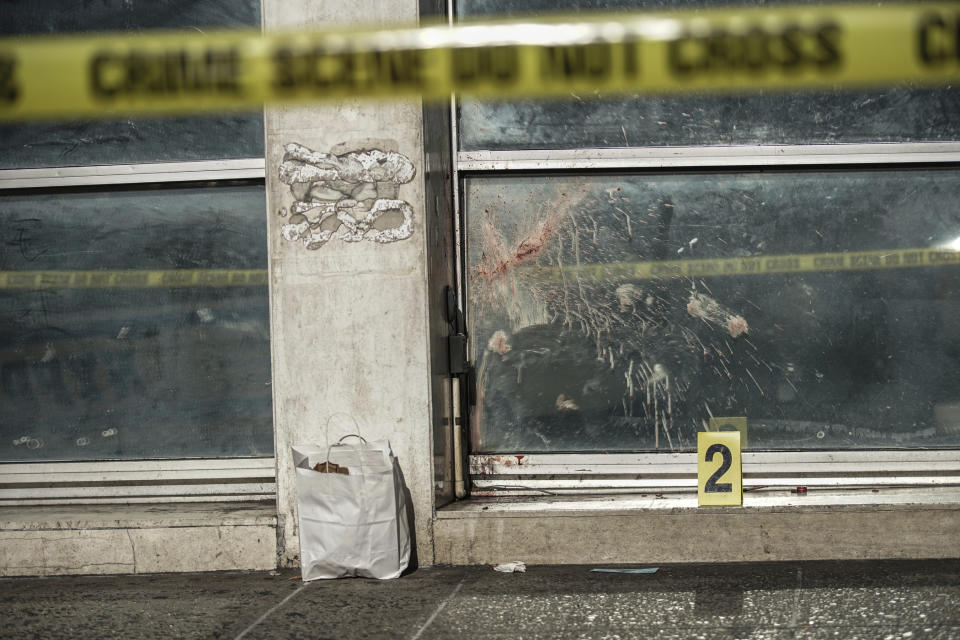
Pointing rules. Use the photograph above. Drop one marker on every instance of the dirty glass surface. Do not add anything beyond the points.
(128, 141)
(146, 370)
(581, 344)
(893, 115)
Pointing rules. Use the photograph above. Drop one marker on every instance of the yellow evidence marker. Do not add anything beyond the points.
(719, 471)
(731, 424)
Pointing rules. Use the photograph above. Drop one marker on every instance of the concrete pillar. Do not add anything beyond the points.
(356, 324)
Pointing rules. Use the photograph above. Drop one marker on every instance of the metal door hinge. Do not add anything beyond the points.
(457, 346)
(457, 340)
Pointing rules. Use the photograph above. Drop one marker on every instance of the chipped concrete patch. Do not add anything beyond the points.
(71, 552)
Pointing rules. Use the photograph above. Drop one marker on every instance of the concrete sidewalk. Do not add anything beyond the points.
(848, 600)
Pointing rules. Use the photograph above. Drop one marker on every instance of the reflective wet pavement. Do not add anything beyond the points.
(848, 600)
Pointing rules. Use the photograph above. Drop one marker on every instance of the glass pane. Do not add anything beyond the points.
(120, 363)
(603, 319)
(893, 115)
(141, 140)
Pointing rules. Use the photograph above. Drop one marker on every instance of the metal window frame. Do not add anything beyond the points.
(133, 481)
(641, 158)
(578, 474)
(520, 474)
(117, 174)
(142, 480)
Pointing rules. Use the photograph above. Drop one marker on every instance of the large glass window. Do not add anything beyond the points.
(133, 324)
(134, 140)
(616, 305)
(901, 114)
(622, 312)
(133, 293)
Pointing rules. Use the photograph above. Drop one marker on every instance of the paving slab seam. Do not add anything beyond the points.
(271, 610)
(796, 600)
(439, 608)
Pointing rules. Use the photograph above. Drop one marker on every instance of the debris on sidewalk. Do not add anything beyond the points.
(617, 570)
(511, 567)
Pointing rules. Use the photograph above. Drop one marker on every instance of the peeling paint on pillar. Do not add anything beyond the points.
(354, 193)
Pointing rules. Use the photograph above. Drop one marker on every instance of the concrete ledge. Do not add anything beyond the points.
(109, 539)
(613, 530)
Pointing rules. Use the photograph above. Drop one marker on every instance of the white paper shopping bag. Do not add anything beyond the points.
(352, 510)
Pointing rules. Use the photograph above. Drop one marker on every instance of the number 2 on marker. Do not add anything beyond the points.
(719, 475)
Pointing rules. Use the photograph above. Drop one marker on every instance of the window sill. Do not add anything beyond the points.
(829, 525)
(779, 501)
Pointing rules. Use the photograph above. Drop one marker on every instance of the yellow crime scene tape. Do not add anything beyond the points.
(760, 265)
(132, 279)
(711, 50)
(794, 263)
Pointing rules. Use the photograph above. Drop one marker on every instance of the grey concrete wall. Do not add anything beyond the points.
(104, 539)
(350, 330)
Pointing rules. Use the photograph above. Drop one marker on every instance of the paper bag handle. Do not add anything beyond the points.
(326, 429)
(340, 442)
